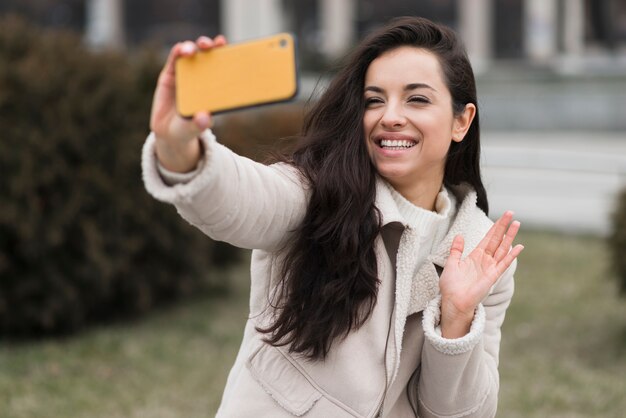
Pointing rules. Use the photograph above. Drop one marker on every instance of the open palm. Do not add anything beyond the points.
(464, 283)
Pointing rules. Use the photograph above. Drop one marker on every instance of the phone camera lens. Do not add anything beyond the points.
(283, 43)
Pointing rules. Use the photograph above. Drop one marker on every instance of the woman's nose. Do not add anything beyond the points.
(393, 118)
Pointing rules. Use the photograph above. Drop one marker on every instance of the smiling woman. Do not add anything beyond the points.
(408, 124)
(378, 282)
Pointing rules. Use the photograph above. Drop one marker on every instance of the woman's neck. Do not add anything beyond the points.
(423, 194)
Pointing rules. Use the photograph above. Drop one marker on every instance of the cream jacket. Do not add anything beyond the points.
(394, 364)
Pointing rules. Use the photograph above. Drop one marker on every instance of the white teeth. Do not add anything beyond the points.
(396, 143)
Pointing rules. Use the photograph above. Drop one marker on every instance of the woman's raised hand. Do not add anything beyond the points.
(465, 283)
(177, 146)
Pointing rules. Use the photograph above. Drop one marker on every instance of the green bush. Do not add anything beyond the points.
(259, 132)
(80, 239)
(617, 241)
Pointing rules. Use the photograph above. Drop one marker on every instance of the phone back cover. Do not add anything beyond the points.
(237, 75)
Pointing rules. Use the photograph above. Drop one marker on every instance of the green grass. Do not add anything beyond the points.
(564, 339)
(172, 364)
(563, 351)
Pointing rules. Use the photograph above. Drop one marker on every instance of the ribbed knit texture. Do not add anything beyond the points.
(431, 226)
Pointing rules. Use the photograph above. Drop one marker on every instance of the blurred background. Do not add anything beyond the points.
(85, 253)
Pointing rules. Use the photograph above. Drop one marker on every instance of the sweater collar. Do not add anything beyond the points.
(469, 220)
(395, 208)
(416, 216)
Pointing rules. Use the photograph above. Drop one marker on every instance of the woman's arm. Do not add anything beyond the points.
(233, 198)
(459, 377)
(460, 358)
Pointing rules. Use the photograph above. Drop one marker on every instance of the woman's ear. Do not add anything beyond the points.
(463, 122)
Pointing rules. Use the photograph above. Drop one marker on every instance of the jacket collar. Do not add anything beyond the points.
(469, 221)
(386, 205)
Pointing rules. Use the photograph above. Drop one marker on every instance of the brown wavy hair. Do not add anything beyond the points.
(329, 271)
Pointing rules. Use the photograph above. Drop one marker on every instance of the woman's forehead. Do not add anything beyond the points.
(405, 65)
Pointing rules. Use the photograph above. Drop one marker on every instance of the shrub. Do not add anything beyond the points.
(259, 132)
(617, 241)
(80, 239)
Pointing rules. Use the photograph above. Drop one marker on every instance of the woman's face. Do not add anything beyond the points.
(408, 120)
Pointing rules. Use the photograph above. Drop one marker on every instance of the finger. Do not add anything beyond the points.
(204, 43)
(178, 50)
(506, 262)
(220, 40)
(185, 127)
(494, 236)
(507, 241)
(168, 68)
(456, 250)
(202, 120)
(187, 48)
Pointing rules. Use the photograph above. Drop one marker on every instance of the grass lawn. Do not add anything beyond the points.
(563, 351)
(564, 339)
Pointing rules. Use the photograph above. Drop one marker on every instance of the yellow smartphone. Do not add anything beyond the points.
(236, 76)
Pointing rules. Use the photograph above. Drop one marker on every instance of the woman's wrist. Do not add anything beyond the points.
(455, 324)
(179, 159)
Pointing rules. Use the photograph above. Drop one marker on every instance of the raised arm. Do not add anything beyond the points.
(459, 375)
(229, 197)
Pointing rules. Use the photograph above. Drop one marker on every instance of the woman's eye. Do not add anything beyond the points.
(419, 99)
(372, 101)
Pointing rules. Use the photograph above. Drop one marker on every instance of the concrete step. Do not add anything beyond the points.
(563, 181)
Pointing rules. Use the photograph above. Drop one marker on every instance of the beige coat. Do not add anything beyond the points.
(397, 359)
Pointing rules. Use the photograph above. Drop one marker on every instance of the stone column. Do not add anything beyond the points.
(105, 24)
(338, 22)
(246, 19)
(573, 36)
(476, 30)
(540, 29)
(574, 27)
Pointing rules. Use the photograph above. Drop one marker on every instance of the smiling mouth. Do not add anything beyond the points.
(395, 144)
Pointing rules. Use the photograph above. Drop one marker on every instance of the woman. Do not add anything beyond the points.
(379, 285)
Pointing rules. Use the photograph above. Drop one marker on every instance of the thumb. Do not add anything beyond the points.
(187, 128)
(456, 251)
(202, 120)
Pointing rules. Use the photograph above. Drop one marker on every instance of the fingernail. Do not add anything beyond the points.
(187, 48)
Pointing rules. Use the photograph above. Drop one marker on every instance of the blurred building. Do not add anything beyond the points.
(563, 61)
(568, 35)
(551, 77)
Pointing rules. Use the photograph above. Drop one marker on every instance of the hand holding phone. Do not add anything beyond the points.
(236, 76)
(177, 147)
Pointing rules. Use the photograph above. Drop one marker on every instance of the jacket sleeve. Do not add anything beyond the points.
(459, 377)
(232, 198)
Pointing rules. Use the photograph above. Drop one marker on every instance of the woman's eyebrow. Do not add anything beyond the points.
(408, 87)
(375, 89)
(415, 86)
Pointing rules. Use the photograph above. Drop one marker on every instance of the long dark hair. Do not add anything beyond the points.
(329, 275)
